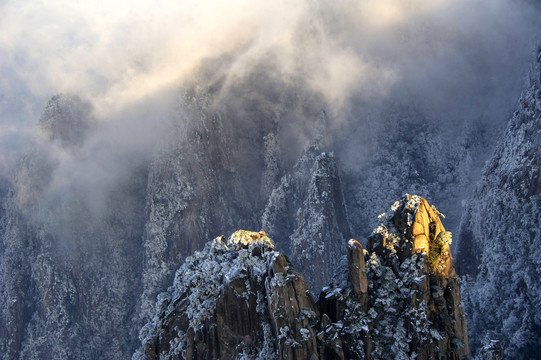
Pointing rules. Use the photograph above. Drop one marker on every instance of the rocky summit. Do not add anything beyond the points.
(402, 298)
(240, 298)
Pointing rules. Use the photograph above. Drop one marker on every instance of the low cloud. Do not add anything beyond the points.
(458, 60)
(118, 53)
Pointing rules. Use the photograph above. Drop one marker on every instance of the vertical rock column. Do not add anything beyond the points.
(419, 223)
(357, 272)
(402, 298)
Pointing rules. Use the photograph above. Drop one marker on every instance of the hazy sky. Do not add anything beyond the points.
(119, 54)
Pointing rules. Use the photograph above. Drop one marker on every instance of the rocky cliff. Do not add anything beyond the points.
(92, 231)
(225, 166)
(306, 213)
(500, 238)
(239, 297)
(402, 298)
(58, 260)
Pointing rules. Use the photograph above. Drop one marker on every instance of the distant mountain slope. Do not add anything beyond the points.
(67, 276)
(92, 230)
(499, 248)
(307, 213)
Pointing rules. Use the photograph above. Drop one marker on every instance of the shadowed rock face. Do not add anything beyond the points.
(242, 298)
(239, 298)
(306, 214)
(499, 247)
(68, 278)
(215, 172)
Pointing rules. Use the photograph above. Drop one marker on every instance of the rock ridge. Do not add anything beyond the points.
(240, 298)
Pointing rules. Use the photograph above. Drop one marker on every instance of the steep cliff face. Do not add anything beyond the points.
(307, 212)
(75, 264)
(232, 164)
(59, 261)
(212, 175)
(241, 298)
(500, 238)
(186, 193)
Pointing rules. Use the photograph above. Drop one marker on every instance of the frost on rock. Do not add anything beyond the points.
(306, 213)
(411, 308)
(207, 177)
(234, 299)
(67, 279)
(499, 245)
(238, 298)
(243, 239)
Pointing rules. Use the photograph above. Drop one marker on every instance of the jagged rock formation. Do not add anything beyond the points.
(222, 169)
(80, 272)
(243, 299)
(500, 238)
(412, 307)
(66, 120)
(239, 298)
(233, 158)
(212, 175)
(306, 212)
(187, 193)
(79, 269)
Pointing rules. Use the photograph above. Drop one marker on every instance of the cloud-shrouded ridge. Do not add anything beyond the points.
(454, 57)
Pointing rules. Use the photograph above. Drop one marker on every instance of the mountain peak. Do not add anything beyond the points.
(66, 119)
(243, 299)
(421, 231)
(242, 239)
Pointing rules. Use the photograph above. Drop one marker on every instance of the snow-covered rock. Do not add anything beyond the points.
(242, 299)
(412, 309)
(68, 289)
(306, 212)
(237, 300)
(499, 247)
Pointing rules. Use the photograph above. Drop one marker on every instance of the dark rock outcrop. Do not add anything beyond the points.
(401, 299)
(239, 298)
(214, 172)
(66, 120)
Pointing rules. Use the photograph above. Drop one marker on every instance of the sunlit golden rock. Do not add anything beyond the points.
(243, 238)
(412, 233)
(430, 237)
